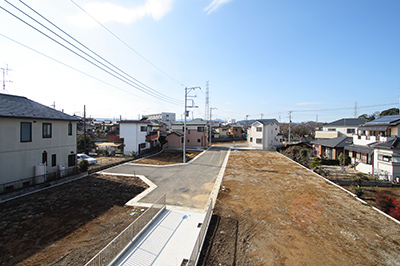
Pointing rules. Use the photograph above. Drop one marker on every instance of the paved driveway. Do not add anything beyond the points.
(186, 185)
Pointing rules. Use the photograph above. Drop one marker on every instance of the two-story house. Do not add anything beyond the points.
(264, 134)
(376, 148)
(35, 140)
(196, 134)
(166, 118)
(134, 133)
(342, 127)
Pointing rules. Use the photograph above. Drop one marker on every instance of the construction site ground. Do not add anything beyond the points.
(271, 211)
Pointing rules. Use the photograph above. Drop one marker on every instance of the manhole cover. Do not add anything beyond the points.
(182, 189)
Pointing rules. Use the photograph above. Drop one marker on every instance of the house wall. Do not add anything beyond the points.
(175, 141)
(133, 136)
(18, 159)
(194, 138)
(269, 136)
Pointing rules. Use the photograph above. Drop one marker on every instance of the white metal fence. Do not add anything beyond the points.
(202, 235)
(119, 244)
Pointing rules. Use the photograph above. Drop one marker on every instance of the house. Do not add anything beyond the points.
(36, 142)
(264, 134)
(342, 127)
(222, 131)
(331, 148)
(196, 134)
(166, 118)
(376, 149)
(134, 133)
(235, 131)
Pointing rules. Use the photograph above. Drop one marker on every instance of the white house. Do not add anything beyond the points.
(376, 148)
(35, 141)
(264, 134)
(134, 133)
(342, 127)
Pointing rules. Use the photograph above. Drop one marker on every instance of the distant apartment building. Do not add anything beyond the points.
(36, 142)
(167, 118)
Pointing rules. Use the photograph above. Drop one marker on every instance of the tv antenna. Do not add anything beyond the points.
(5, 72)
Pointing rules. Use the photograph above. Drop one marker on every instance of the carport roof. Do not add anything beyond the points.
(357, 148)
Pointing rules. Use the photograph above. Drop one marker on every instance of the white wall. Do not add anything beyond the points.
(18, 159)
(269, 136)
(132, 136)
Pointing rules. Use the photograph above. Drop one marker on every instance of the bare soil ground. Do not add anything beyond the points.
(168, 157)
(271, 211)
(67, 224)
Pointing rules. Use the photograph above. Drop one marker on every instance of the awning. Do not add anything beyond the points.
(373, 128)
(361, 149)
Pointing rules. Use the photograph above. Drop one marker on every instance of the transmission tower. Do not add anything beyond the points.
(207, 111)
(5, 72)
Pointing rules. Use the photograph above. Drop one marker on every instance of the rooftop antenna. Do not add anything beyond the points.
(5, 72)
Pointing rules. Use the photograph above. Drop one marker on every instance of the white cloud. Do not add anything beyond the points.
(109, 12)
(215, 4)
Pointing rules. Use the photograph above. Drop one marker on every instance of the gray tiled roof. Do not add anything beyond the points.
(267, 121)
(391, 144)
(22, 107)
(338, 142)
(347, 122)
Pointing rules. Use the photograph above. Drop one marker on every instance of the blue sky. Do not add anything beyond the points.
(316, 58)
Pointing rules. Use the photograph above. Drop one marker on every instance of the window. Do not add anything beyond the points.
(351, 131)
(71, 160)
(259, 129)
(143, 128)
(46, 130)
(198, 140)
(26, 132)
(53, 160)
(259, 141)
(384, 158)
(69, 129)
(44, 157)
(331, 129)
(251, 139)
(200, 129)
(188, 131)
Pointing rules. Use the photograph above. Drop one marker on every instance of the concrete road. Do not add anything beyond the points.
(186, 185)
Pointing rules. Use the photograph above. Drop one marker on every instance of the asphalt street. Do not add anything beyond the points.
(186, 185)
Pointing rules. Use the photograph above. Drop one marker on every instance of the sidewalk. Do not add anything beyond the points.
(168, 241)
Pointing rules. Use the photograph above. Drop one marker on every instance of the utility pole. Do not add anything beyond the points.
(84, 129)
(186, 114)
(212, 108)
(290, 121)
(262, 115)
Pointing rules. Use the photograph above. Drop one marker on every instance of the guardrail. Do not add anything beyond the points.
(121, 242)
(202, 235)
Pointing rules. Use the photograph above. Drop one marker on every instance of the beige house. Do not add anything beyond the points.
(36, 141)
(196, 134)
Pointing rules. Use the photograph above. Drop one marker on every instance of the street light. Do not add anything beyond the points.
(187, 90)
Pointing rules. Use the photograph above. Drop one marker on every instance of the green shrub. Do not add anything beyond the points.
(83, 166)
(316, 162)
(359, 192)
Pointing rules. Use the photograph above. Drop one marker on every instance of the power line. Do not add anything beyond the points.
(167, 97)
(139, 87)
(144, 58)
(62, 63)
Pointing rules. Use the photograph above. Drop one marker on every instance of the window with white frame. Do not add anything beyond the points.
(259, 141)
(259, 129)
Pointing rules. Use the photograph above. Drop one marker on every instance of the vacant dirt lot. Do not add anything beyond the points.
(271, 211)
(68, 224)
